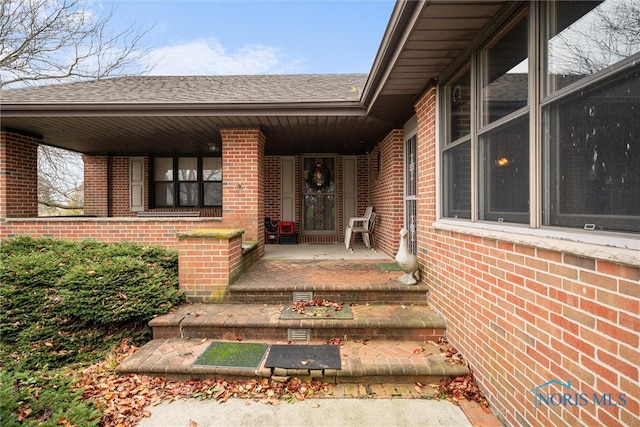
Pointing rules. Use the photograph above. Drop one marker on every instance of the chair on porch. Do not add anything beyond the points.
(357, 222)
(366, 231)
(271, 232)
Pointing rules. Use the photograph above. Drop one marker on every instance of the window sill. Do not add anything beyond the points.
(611, 247)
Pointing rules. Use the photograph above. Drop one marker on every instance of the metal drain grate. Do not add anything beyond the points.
(302, 296)
(299, 334)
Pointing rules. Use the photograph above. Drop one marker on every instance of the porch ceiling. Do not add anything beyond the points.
(155, 134)
(422, 40)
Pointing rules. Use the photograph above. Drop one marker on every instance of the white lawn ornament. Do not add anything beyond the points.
(407, 261)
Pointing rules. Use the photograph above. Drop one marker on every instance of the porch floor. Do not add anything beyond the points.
(323, 251)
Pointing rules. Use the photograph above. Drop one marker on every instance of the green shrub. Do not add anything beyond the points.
(65, 302)
(44, 398)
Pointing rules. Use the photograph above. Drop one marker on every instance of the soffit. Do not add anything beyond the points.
(434, 35)
(172, 134)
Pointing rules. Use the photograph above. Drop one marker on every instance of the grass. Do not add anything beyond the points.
(234, 354)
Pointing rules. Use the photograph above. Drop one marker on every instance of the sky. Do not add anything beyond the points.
(204, 37)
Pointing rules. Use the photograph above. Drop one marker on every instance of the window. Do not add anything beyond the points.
(504, 191)
(457, 157)
(196, 182)
(581, 107)
(591, 142)
(504, 127)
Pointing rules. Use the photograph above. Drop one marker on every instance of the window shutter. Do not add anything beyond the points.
(136, 184)
(288, 188)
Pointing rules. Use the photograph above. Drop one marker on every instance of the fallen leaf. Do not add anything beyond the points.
(24, 414)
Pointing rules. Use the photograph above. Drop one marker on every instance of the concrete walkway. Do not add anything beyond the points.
(311, 413)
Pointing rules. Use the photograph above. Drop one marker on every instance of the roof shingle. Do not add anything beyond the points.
(249, 89)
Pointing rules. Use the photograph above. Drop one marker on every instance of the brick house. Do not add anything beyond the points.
(516, 170)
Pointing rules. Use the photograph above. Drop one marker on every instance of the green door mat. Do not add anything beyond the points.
(237, 354)
(390, 266)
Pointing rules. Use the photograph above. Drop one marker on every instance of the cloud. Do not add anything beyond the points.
(209, 57)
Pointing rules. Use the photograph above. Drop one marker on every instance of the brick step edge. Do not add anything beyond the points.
(282, 334)
(268, 316)
(318, 287)
(173, 358)
(348, 296)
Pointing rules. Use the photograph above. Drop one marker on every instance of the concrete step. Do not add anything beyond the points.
(244, 322)
(283, 292)
(366, 362)
(349, 281)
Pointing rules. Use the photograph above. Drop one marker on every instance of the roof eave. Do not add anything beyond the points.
(403, 19)
(329, 108)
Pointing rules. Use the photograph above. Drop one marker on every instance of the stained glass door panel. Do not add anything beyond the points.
(318, 195)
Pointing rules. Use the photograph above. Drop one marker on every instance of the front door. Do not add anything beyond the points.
(319, 195)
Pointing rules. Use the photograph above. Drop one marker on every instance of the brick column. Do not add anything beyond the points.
(243, 189)
(96, 185)
(18, 175)
(208, 261)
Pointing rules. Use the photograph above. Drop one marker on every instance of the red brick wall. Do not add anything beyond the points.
(162, 231)
(365, 178)
(207, 265)
(386, 191)
(523, 315)
(244, 179)
(119, 176)
(272, 187)
(18, 175)
(96, 188)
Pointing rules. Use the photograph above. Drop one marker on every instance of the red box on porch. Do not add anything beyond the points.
(286, 227)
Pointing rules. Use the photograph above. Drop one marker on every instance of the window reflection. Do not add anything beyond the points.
(593, 150)
(457, 169)
(505, 161)
(460, 107)
(588, 36)
(163, 169)
(212, 169)
(505, 80)
(188, 177)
